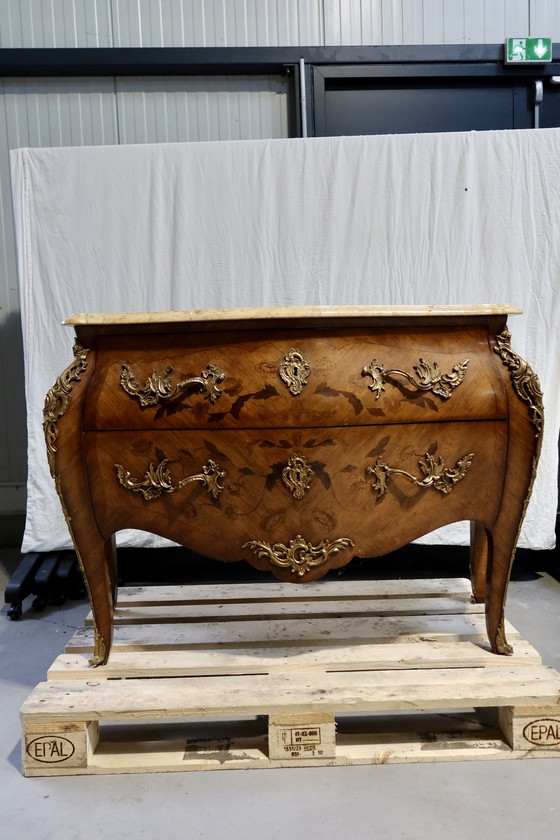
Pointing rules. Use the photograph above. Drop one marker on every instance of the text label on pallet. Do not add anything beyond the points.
(544, 732)
(50, 749)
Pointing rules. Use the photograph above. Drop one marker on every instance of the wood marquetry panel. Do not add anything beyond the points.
(349, 377)
(377, 487)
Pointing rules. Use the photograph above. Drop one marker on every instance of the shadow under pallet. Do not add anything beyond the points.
(274, 675)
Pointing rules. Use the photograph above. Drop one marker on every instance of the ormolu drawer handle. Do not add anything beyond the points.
(157, 480)
(158, 385)
(300, 555)
(428, 377)
(436, 474)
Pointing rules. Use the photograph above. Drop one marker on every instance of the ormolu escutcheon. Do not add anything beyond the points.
(294, 370)
(297, 476)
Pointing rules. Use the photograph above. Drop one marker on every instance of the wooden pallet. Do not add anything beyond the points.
(270, 675)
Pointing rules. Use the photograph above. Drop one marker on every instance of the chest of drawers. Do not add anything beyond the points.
(295, 438)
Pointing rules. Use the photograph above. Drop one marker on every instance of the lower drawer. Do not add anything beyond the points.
(363, 490)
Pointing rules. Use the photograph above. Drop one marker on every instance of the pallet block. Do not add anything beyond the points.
(272, 675)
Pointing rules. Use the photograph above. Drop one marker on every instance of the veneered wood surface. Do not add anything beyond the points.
(497, 556)
(254, 396)
(256, 505)
(96, 553)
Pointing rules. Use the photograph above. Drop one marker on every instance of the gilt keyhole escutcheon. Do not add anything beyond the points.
(294, 371)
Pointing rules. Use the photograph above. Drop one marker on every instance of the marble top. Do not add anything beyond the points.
(296, 312)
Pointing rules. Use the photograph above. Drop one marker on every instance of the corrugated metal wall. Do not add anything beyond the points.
(231, 23)
(180, 109)
(54, 112)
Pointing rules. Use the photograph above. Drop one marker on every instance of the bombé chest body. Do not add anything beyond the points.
(294, 439)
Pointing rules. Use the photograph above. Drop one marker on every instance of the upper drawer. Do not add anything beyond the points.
(300, 377)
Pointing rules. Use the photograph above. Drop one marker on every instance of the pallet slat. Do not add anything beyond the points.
(263, 592)
(292, 693)
(176, 663)
(282, 610)
(288, 632)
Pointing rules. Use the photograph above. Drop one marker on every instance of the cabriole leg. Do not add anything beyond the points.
(62, 424)
(101, 560)
(479, 561)
(525, 425)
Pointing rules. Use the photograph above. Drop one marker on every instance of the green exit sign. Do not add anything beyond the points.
(528, 50)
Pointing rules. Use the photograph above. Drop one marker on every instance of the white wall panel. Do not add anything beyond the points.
(433, 21)
(286, 22)
(182, 109)
(55, 23)
(60, 112)
(545, 19)
(376, 22)
(217, 23)
(397, 18)
(355, 22)
(484, 21)
(465, 22)
(504, 19)
(208, 23)
(411, 22)
(393, 22)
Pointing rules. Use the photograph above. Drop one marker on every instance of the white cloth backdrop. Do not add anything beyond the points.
(413, 219)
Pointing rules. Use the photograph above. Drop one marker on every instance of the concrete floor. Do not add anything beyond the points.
(517, 800)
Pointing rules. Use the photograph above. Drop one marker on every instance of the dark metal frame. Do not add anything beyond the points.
(173, 61)
(322, 64)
